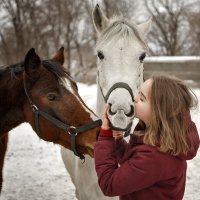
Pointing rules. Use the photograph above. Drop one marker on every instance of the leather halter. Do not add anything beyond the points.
(115, 86)
(71, 130)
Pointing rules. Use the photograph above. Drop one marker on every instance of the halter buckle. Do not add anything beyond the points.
(34, 107)
(72, 130)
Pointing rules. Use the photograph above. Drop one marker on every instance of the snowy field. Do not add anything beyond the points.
(34, 169)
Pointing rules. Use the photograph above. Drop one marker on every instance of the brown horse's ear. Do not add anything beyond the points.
(32, 63)
(59, 56)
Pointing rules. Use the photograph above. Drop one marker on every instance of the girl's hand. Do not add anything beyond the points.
(105, 125)
(117, 135)
(105, 121)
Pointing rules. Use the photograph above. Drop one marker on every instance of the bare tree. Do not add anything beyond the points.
(169, 21)
(5, 51)
(20, 30)
(193, 16)
(14, 10)
(125, 8)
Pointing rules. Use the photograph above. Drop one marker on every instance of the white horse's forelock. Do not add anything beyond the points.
(120, 28)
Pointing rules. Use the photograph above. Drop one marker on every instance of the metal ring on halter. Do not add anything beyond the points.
(34, 107)
(72, 130)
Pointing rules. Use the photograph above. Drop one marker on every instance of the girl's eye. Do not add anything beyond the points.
(51, 97)
(141, 99)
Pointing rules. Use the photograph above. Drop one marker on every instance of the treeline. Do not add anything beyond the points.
(49, 24)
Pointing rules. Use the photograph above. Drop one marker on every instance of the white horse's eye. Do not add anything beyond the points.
(100, 55)
(142, 57)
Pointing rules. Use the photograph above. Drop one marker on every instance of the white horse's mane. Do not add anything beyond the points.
(118, 28)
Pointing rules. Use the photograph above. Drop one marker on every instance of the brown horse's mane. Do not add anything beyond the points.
(51, 65)
(14, 69)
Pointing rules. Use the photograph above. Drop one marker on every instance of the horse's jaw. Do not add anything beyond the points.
(90, 152)
(86, 150)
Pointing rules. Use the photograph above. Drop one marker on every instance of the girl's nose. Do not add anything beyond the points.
(136, 99)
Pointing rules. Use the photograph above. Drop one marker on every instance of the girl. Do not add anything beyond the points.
(152, 166)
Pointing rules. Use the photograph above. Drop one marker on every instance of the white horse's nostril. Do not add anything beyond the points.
(119, 120)
(113, 110)
(131, 113)
(110, 110)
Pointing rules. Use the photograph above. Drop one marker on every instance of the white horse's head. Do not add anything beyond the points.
(120, 53)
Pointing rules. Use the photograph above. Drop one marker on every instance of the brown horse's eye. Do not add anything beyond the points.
(51, 97)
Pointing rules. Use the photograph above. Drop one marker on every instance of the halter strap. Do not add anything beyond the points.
(115, 86)
(120, 85)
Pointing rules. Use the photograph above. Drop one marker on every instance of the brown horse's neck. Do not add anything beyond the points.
(11, 99)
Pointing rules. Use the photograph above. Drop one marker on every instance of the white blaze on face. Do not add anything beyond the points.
(68, 85)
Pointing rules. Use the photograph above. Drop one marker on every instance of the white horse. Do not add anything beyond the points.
(120, 53)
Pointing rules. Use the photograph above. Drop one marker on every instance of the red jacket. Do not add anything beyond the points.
(136, 171)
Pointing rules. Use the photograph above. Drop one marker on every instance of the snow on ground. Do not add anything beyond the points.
(34, 169)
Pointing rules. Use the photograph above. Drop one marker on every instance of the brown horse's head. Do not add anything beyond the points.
(54, 92)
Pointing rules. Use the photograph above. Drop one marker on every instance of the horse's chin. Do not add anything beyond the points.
(85, 151)
(115, 128)
(90, 152)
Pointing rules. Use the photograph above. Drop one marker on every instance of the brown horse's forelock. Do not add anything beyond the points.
(116, 29)
(55, 68)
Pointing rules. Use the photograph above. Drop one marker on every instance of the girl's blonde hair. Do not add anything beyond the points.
(170, 101)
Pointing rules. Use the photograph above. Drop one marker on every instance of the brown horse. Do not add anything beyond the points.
(44, 95)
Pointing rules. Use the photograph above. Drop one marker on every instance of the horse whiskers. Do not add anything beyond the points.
(90, 146)
(90, 152)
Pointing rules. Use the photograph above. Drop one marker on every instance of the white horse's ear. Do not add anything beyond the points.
(145, 27)
(99, 19)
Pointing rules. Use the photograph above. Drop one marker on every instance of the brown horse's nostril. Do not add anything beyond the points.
(131, 113)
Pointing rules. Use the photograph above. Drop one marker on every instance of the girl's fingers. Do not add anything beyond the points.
(117, 135)
(117, 138)
(105, 120)
(105, 124)
(105, 112)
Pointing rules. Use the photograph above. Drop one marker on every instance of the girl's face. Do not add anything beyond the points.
(143, 104)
